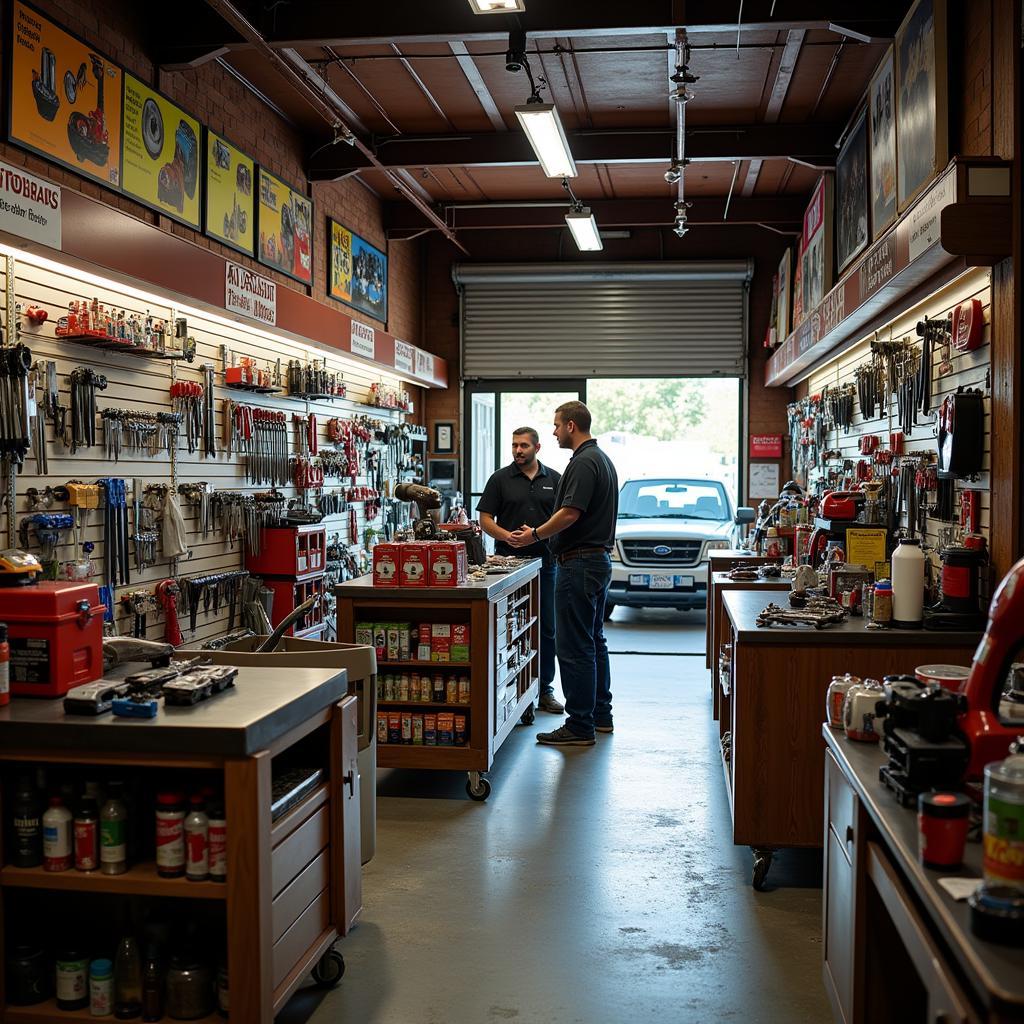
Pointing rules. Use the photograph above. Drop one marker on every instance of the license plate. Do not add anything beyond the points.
(639, 579)
(684, 581)
(662, 582)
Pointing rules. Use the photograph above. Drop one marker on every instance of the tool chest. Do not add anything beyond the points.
(289, 593)
(289, 551)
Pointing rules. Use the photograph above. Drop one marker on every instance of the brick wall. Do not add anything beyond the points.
(221, 101)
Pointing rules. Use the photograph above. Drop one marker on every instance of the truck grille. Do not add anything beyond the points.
(681, 552)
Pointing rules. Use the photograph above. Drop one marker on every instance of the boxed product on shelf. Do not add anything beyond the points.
(440, 649)
(413, 566)
(430, 730)
(364, 634)
(445, 729)
(448, 565)
(386, 559)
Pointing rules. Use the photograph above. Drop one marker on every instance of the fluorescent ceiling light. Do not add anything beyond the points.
(584, 229)
(543, 128)
(497, 6)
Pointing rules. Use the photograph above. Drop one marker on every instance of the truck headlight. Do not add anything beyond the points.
(716, 545)
(614, 553)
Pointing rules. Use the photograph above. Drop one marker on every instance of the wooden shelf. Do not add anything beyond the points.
(439, 665)
(511, 675)
(520, 631)
(422, 704)
(47, 1012)
(119, 345)
(406, 755)
(518, 602)
(139, 880)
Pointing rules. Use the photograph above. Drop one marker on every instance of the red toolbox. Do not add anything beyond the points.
(289, 594)
(56, 636)
(289, 551)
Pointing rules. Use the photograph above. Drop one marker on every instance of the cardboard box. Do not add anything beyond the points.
(423, 651)
(382, 727)
(445, 728)
(364, 633)
(425, 632)
(412, 570)
(394, 727)
(386, 560)
(460, 633)
(460, 653)
(392, 641)
(449, 566)
(441, 629)
(440, 650)
(380, 640)
(430, 730)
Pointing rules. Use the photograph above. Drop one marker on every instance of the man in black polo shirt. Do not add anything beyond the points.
(525, 493)
(582, 533)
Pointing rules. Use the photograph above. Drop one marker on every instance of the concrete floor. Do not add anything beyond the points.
(596, 885)
(656, 631)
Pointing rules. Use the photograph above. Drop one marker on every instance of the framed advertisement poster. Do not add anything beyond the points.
(64, 98)
(358, 272)
(784, 277)
(852, 193)
(798, 289)
(230, 199)
(882, 136)
(922, 114)
(816, 265)
(160, 155)
(285, 224)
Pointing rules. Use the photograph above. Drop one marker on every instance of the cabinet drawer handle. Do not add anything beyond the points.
(849, 833)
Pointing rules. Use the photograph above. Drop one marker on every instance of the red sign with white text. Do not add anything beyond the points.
(766, 446)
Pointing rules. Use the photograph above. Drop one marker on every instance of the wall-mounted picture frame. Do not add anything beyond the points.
(922, 102)
(284, 219)
(230, 213)
(784, 289)
(357, 271)
(444, 438)
(852, 214)
(882, 140)
(816, 245)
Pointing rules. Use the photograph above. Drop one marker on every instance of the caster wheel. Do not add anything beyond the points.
(529, 716)
(330, 969)
(762, 864)
(480, 792)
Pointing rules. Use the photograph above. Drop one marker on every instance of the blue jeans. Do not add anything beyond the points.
(547, 628)
(581, 590)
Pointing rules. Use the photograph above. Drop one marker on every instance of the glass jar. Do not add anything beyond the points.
(835, 696)
(189, 992)
(1003, 835)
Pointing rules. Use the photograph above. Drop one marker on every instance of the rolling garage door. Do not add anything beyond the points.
(608, 320)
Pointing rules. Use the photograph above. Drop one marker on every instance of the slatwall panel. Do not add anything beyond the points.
(971, 369)
(143, 384)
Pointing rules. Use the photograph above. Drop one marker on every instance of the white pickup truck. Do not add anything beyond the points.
(665, 529)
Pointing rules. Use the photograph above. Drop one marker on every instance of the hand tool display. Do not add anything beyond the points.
(15, 414)
(142, 433)
(247, 376)
(139, 603)
(37, 418)
(819, 612)
(209, 591)
(84, 384)
(312, 381)
(385, 396)
(209, 413)
(93, 323)
(309, 474)
(47, 527)
(189, 402)
(306, 434)
(115, 532)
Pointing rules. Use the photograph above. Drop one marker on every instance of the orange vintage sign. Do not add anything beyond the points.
(65, 98)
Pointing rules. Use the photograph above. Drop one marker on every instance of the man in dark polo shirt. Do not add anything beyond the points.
(582, 533)
(525, 493)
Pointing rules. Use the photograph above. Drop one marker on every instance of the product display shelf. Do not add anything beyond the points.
(483, 606)
(413, 704)
(139, 880)
(522, 629)
(293, 886)
(50, 1013)
(114, 345)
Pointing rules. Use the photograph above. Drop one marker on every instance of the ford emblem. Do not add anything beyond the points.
(663, 549)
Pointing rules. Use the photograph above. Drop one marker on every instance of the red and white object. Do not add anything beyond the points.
(859, 713)
(968, 325)
(57, 833)
(387, 558)
(218, 843)
(449, 565)
(952, 677)
(197, 841)
(170, 835)
(414, 564)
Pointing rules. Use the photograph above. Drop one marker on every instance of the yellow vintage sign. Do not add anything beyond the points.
(286, 228)
(161, 155)
(65, 98)
(230, 199)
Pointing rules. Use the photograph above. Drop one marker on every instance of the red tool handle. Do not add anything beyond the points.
(167, 593)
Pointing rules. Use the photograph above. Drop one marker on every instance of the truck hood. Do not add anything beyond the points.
(672, 529)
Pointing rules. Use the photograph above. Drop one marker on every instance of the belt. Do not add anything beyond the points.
(578, 553)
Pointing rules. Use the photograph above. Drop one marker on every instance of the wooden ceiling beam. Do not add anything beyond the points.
(704, 143)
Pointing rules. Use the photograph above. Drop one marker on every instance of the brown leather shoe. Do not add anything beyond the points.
(551, 704)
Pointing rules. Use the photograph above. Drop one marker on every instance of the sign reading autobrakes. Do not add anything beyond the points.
(29, 206)
(249, 294)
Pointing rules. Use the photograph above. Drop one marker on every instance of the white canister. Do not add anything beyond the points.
(908, 584)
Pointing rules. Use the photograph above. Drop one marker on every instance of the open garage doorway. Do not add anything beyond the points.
(675, 443)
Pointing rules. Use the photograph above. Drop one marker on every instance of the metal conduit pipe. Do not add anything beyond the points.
(314, 90)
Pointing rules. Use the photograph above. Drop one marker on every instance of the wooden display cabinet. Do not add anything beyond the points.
(502, 612)
(293, 885)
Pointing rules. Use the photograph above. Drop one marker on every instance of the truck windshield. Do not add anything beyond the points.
(673, 499)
